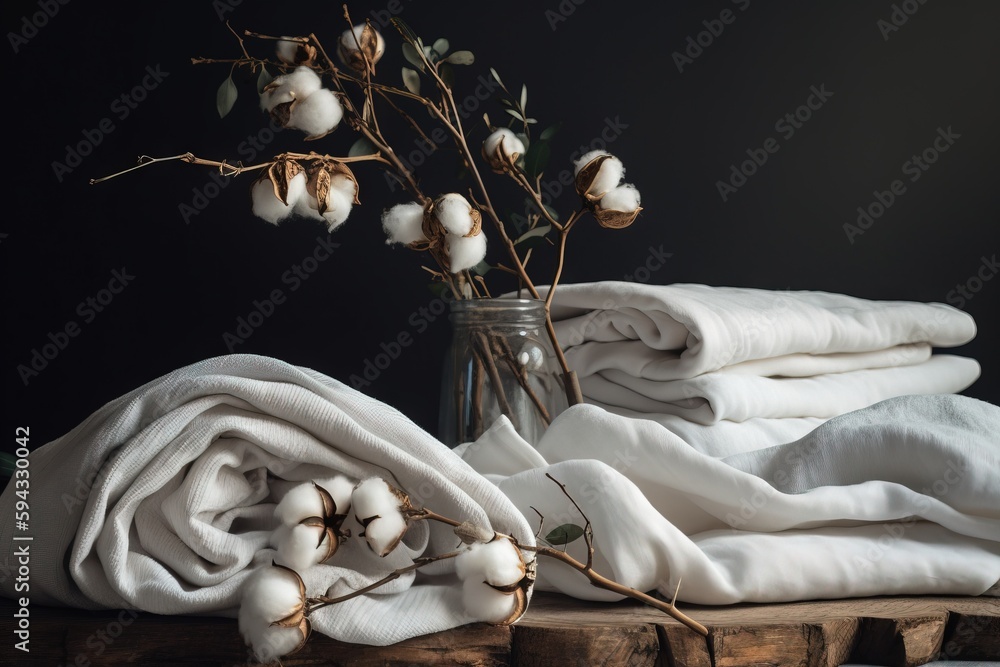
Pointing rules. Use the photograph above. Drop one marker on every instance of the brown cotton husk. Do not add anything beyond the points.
(348, 49)
(470, 533)
(281, 173)
(320, 178)
(282, 113)
(305, 54)
(612, 219)
(499, 161)
(586, 177)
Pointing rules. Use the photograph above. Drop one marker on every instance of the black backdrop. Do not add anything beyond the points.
(679, 115)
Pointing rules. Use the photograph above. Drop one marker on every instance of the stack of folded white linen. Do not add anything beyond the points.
(737, 369)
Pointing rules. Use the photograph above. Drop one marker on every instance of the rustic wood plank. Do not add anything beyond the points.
(826, 644)
(906, 641)
(585, 645)
(972, 636)
(679, 647)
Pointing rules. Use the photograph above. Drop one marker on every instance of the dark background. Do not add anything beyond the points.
(783, 229)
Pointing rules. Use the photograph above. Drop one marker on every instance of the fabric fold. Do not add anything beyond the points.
(163, 499)
(900, 498)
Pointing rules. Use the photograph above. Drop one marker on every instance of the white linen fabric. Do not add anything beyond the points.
(778, 361)
(902, 497)
(163, 499)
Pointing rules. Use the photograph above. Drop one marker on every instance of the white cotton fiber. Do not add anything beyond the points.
(486, 603)
(465, 252)
(351, 38)
(339, 202)
(297, 85)
(301, 502)
(403, 223)
(270, 594)
(384, 533)
(511, 143)
(497, 562)
(373, 497)
(339, 487)
(608, 176)
(287, 50)
(316, 115)
(454, 213)
(266, 204)
(298, 547)
(623, 198)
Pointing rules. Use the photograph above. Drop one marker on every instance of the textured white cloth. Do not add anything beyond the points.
(902, 497)
(784, 361)
(163, 499)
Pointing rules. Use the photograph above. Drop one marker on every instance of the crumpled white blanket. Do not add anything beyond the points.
(902, 497)
(783, 360)
(163, 499)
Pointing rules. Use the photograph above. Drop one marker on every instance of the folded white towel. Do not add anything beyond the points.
(902, 497)
(163, 499)
(698, 329)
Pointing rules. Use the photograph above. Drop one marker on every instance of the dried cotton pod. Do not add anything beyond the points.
(282, 90)
(312, 515)
(293, 52)
(619, 207)
(502, 148)
(278, 190)
(597, 173)
(331, 192)
(358, 44)
(379, 507)
(495, 580)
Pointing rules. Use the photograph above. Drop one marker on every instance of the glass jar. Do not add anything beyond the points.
(500, 362)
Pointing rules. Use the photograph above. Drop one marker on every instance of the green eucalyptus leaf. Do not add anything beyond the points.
(564, 534)
(447, 73)
(461, 58)
(411, 80)
(482, 268)
(554, 214)
(550, 131)
(363, 146)
(413, 56)
(537, 232)
(441, 46)
(263, 79)
(524, 98)
(530, 121)
(536, 159)
(225, 97)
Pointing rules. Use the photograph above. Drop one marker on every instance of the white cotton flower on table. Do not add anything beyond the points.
(494, 582)
(378, 506)
(266, 204)
(296, 85)
(500, 147)
(272, 616)
(403, 223)
(465, 252)
(607, 177)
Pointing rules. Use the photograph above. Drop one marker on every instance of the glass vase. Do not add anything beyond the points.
(500, 362)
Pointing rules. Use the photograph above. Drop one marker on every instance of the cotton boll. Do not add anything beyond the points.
(464, 252)
(298, 547)
(297, 85)
(351, 39)
(486, 603)
(295, 53)
(339, 487)
(272, 594)
(454, 213)
(339, 201)
(301, 502)
(374, 497)
(623, 198)
(266, 204)
(498, 563)
(510, 147)
(403, 223)
(316, 115)
(383, 534)
(608, 176)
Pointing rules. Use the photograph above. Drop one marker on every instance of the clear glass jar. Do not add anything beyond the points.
(500, 362)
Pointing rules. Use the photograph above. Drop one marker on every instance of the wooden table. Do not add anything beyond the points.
(557, 631)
